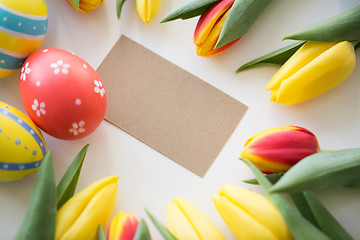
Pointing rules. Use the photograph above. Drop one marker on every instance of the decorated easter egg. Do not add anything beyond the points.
(22, 146)
(62, 93)
(23, 25)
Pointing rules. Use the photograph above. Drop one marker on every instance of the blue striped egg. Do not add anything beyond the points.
(23, 25)
(22, 146)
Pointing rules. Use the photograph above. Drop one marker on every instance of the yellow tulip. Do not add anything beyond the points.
(186, 222)
(81, 215)
(314, 69)
(147, 9)
(250, 215)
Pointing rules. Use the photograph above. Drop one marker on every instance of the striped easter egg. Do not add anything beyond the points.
(22, 146)
(23, 25)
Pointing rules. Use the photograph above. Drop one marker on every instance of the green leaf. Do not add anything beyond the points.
(67, 185)
(327, 223)
(142, 231)
(119, 5)
(321, 170)
(241, 17)
(303, 206)
(357, 45)
(188, 10)
(40, 217)
(167, 235)
(272, 177)
(76, 4)
(278, 57)
(100, 233)
(300, 228)
(338, 28)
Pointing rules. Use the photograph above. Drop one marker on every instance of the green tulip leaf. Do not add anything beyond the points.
(142, 231)
(40, 218)
(272, 177)
(167, 235)
(303, 206)
(188, 10)
(338, 28)
(241, 17)
(357, 45)
(67, 185)
(300, 228)
(100, 233)
(76, 4)
(326, 222)
(119, 5)
(321, 170)
(278, 57)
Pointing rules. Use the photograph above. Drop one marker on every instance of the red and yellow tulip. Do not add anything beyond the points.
(123, 227)
(277, 149)
(86, 5)
(208, 29)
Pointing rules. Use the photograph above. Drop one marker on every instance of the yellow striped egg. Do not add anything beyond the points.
(22, 146)
(23, 25)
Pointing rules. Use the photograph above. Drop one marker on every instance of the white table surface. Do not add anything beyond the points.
(149, 179)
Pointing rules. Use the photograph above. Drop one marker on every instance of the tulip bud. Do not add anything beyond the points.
(123, 227)
(250, 215)
(86, 5)
(277, 149)
(147, 9)
(185, 221)
(208, 29)
(315, 68)
(81, 215)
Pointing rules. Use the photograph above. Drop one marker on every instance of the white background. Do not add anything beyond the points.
(149, 179)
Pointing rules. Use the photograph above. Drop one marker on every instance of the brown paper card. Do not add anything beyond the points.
(167, 108)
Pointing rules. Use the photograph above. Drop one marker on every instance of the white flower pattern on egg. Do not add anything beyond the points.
(99, 88)
(60, 66)
(77, 128)
(24, 71)
(39, 108)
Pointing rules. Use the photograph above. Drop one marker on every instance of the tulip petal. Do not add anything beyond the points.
(200, 222)
(242, 225)
(258, 207)
(307, 53)
(147, 9)
(98, 211)
(207, 48)
(209, 19)
(179, 225)
(277, 149)
(123, 227)
(69, 213)
(324, 72)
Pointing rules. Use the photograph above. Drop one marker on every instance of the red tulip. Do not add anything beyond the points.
(278, 149)
(209, 27)
(123, 227)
